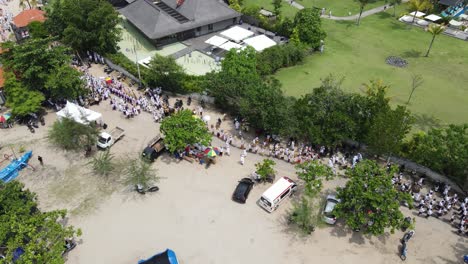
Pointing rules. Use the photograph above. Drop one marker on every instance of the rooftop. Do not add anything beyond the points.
(27, 16)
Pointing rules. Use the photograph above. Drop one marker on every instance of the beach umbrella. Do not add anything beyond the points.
(5, 117)
(211, 152)
(108, 80)
(206, 118)
(2, 119)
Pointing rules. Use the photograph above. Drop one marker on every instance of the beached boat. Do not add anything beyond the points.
(11, 171)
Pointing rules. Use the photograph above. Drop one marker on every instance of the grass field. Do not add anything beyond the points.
(340, 7)
(359, 53)
(286, 9)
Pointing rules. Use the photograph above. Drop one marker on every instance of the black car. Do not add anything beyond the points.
(242, 190)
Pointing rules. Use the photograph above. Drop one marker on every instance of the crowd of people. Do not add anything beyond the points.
(5, 23)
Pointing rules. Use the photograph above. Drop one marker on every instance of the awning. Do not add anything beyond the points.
(418, 14)
(432, 17)
(260, 42)
(455, 23)
(237, 33)
(216, 41)
(230, 45)
(79, 114)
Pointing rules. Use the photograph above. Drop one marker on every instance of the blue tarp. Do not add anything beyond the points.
(166, 257)
(10, 172)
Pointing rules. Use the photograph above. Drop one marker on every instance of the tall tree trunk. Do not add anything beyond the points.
(430, 46)
(414, 17)
(360, 14)
(29, 4)
(394, 10)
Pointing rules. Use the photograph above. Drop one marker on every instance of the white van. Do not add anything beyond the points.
(272, 197)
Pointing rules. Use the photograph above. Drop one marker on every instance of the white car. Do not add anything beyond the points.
(328, 217)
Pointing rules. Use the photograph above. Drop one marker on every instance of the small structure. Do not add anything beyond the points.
(260, 42)
(216, 41)
(22, 20)
(432, 17)
(418, 14)
(237, 33)
(79, 114)
(230, 45)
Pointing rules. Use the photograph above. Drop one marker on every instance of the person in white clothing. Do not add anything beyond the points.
(242, 159)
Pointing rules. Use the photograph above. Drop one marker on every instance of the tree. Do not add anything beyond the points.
(416, 81)
(31, 4)
(277, 7)
(21, 100)
(65, 83)
(38, 30)
(71, 135)
(182, 129)
(388, 130)
(369, 201)
(85, 25)
(394, 3)
(139, 171)
(444, 150)
(308, 27)
(34, 61)
(435, 30)
(301, 215)
(362, 5)
(265, 168)
(102, 164)
(41, 235)
(234, 4)
(313, 173)
(419, 5)
(165, 72)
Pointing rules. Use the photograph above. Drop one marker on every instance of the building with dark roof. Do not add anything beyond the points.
(166, 21)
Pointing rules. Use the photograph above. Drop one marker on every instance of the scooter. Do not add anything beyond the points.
(69, 245)
(141, 190)
(404, 250)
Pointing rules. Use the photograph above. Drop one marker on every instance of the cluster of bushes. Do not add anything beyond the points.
(280, 56)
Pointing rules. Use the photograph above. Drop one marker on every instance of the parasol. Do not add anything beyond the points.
(5, 117)
(108, 80)
(211, 152)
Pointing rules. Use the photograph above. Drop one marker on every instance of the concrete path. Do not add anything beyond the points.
(353, 17)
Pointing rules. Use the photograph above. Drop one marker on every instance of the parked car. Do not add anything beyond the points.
(328, 216)
(242, 190)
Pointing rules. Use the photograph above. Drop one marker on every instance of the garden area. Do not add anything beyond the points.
(359, 54)
(340, 8)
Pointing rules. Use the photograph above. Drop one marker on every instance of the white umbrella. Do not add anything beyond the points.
(206, 118)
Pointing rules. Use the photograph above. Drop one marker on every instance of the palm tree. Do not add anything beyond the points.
(434, 29)
(31, 3)
(362, 4)
(394, 3)
(419, 5)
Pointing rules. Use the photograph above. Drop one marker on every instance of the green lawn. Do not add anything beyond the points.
(286, 9)
(359, 53)
(339, 7)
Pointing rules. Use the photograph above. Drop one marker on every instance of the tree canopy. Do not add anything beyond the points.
(182, 129)
(313, 173)
(369, 201)
(165, 72)
(71, 135)
(308, 27)
(22, 225)
(21, 100)
(444, 150)
(85, 24)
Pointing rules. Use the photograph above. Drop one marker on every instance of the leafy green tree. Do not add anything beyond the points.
(435, 30)
(85, 24)
(38, 30)
(362, 5)
(165, 72)
(284, 26)
(182, 129)
(22, 225)
(21, 100)
(102, 164)
(419, 5)
(308, 27)
(444, 150)
(234, 4)
(369, 201)
(265, 168)
(301, 215)
(71, 135)
(65, 83)
(313, 173)
(388, 130)
(277, 4)
(323, 115)
(139, 171)
(34, 61)
(394, 3)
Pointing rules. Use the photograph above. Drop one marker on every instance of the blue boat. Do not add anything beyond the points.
(11, 171)
(166, 257)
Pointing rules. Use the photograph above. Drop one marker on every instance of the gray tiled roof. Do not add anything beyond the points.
(156, 23)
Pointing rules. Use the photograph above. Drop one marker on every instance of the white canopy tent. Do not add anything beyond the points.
(230, 45)
(432, 17)
(216, 41)
(260, 42)
(79, 114)
(422, 22)
(237, 33)
(455, 23)
(418, 14)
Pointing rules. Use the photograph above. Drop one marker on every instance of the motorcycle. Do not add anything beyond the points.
(69, 245)
(404, 251)
(141, 190)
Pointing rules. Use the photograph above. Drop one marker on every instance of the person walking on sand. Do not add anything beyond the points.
(242, 160)
(39, 158)
(228, 150)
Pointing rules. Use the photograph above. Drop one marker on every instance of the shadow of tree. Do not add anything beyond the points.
(347, 23)
(411, 54)
(426, 122)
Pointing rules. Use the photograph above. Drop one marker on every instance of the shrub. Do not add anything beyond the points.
(102, 164)
(276, 57)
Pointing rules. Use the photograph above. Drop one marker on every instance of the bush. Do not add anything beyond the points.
(102, 164)
(71, 135)
(301, 215)
(139, 171)
(277, 57)
(265, 168)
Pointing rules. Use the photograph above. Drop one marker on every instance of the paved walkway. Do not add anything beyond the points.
(353, 17)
